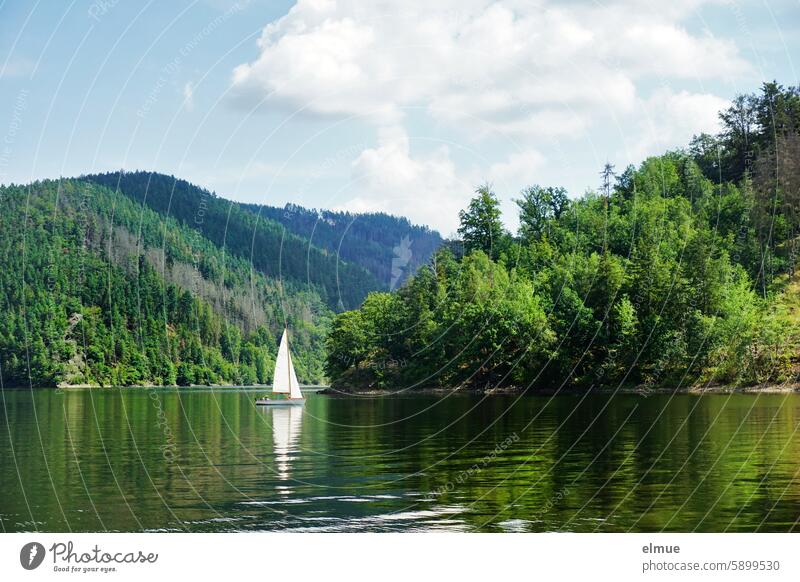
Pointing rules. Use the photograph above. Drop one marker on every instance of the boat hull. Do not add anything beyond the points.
(286, 402)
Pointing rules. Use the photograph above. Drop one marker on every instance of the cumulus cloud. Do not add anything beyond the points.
(668, 118)
(425, 188)
(517, 170)
(535, 68)
(429, 189)
(531, 72)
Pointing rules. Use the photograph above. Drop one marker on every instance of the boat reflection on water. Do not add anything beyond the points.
(287, 423)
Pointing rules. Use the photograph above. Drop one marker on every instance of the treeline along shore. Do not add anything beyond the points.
(678, 274)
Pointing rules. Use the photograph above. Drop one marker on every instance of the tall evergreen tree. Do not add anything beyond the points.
(481, 227)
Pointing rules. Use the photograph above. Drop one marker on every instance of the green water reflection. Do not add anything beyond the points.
(209, 460)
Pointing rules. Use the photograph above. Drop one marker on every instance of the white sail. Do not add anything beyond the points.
(285, 379)
(294, 385)
(281, 378)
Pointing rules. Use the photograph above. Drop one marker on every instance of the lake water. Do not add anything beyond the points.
(210, 460)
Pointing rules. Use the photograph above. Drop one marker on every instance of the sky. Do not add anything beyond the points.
(403, 107)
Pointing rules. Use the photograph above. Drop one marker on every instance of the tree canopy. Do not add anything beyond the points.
(677, 272)
(481, 227)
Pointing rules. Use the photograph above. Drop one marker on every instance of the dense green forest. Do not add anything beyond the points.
(141, 278)
(270, 248)
(344, 256)
(676, 273)
(389, 247)
(97, 289)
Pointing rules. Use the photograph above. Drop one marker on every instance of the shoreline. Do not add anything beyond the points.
(788, 388)
(307, 387)
(327, 390)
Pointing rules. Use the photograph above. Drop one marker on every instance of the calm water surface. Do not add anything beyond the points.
(210, 460)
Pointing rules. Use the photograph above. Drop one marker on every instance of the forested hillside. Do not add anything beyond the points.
(141, 278)
(389, 247)
(675, 273)
(97, 289)
(268, 245)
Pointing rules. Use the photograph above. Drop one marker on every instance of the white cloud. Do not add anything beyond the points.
(428, 189)
(517, 171)
(669, 118)
(425, 188)
(532, 74)
(515, 66)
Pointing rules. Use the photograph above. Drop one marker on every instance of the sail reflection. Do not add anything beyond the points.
(286, 425)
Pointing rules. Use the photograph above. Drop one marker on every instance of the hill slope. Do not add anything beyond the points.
(98, 289)
(389, 247)
(344, 256)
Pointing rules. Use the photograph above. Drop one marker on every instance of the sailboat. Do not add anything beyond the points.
(285, 380)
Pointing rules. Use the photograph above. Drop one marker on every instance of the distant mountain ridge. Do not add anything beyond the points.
(266, 244)
(346, 255)
(389, 247)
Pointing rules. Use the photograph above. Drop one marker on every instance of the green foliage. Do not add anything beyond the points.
(537, 207)
(87, 301)
(347, 343)
(481, 227)
(247, 234)
(671, 277)
(750, 127)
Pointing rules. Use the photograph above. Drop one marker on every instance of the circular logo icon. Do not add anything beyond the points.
(31, 555)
